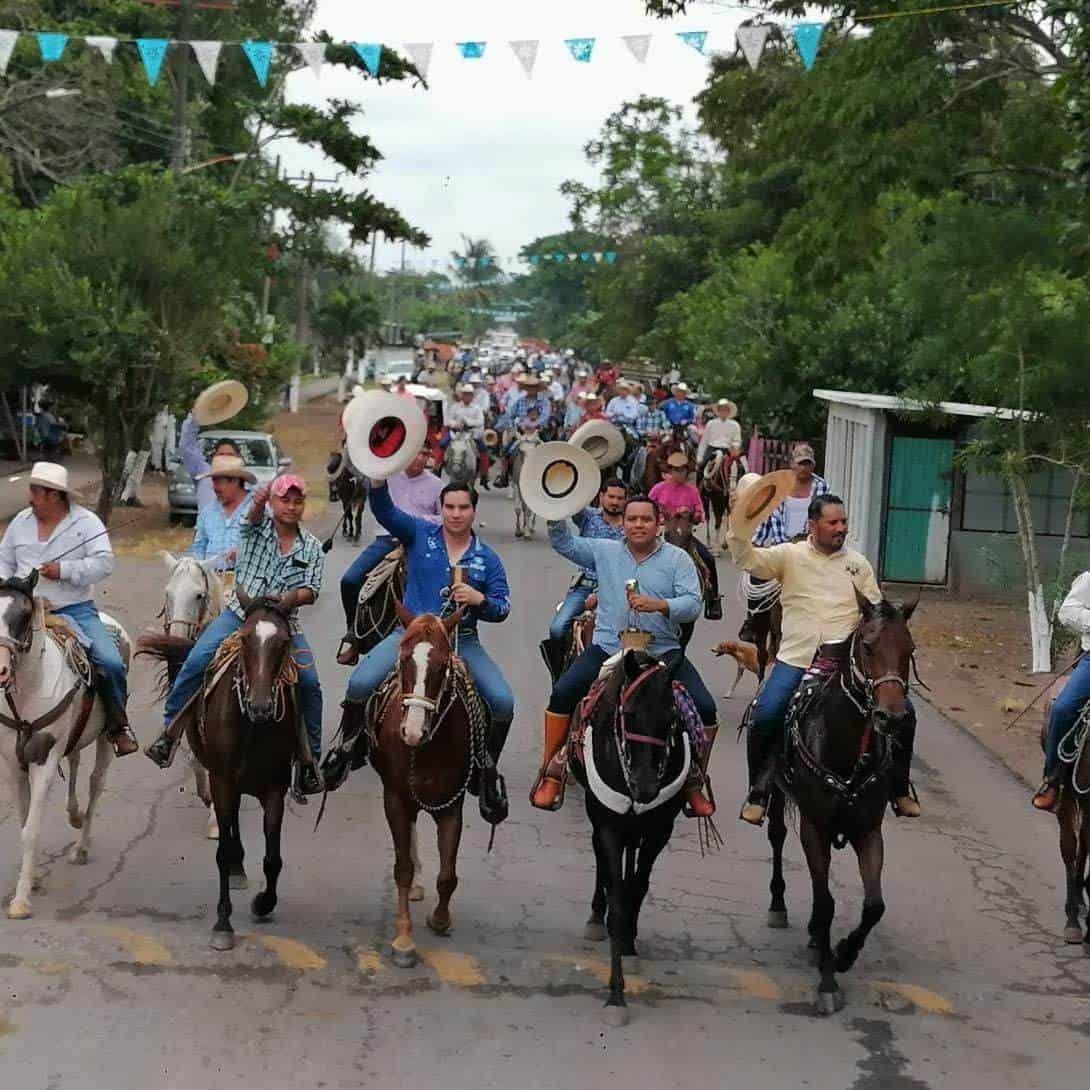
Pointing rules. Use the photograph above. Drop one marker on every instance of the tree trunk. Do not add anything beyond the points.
(1040, 623)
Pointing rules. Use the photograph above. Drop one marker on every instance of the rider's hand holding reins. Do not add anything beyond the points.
(51, 570)
(465, 595)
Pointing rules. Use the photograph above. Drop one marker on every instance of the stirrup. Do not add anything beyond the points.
(554, 771)
(703, 789)
(754, 810)
(1046, 786)
(349, 642)
(123, 741)
(155, 753)
(907, 804)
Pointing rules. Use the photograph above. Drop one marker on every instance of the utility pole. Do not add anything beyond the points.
(180, 152)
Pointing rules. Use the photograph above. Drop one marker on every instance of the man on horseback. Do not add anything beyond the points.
(792, 517)
(638, 577)
(1069, 705)
(69, 546)
(624, 409)
(278, 560)
(467, 414)
(449, 568)
(723, 434)
(679, 409)
(219, 523)
(822, 582)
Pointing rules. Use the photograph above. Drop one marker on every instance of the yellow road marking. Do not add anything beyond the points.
(143, 949)
(48, 968)
(756, 984)
(599, 969)
(292, 953)
(460, 969)
(923, 998)
(368, 961)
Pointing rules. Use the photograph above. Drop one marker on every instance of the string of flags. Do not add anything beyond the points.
(597, 257)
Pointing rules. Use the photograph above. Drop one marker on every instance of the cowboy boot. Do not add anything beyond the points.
(117, 727)
(552, 651)
(348, 651)
(493, 802)
(548, 790)
(697, 803)
(760, 749)
(713, 607)
(162, 750)
(902, 795)
(351, 753)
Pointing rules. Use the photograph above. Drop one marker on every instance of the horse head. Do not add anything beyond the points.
(646, 714)
(265, 644)
(679, 528)
(16, 622)
(882, 654)
(194, 595)
(423, 667)
(713, 467)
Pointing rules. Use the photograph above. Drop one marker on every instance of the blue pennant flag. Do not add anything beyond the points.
(459, 261)
(558, 257)
(370, 53)
(610, 256)
(586, 256)
(807, 40)
(471, 51)
(260, 54)
(535, 259)
(695, 38)
(580, 48)
(52, 46)
(153, 52)
(484, 261)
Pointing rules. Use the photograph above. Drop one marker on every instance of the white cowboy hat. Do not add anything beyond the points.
(726, 401)
(680, 386)
(228, 465)
(464, 388)
(52, 475)
(756, 501)
(558, 479)
(220, 402)
(601, 440)
(383, 433)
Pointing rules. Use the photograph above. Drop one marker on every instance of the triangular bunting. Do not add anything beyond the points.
(573, 257)
(8, 38)
(526, 51)
(484, 261)
(371, 55)
(459, 261)
(807, 41)
(558, 257)
(471, 51)
(598, 256)
(580, 48)
(313, 54)
(208, 57)
(535, 259)
(638, 45)
(152, 53)
(103, 44)
(260, 54)
(584, 256)
(751, 41)
(610, 256)
(694, 38)
(420, 55)
(52, 46)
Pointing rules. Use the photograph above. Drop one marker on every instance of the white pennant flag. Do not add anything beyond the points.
(313, 53)
(751, 40)
(638, 45)
(526, 51)
(8, 38)
(598, 256)
(208, 57)
(103, 44)
(420, 55)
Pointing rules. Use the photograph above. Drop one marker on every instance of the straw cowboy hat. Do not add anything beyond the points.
(680, 386)
(228, 465)
(51, 475)
(383, 433)
(530, 379)
(558, 479)
(726, 401)
(220, 402)
(678, 460)
(756, 499)
(601, 439)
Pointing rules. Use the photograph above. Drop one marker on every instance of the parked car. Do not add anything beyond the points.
(395, 369)
(259, 451)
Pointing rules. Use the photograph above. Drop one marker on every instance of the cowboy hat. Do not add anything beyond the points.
(383, 433)
(680, 386)
(601, 440)
(530, 380)
(558, 479)
(52, 475)
(756, 501)
(678, 460)
(220, 402)
(228, 465)
(726, 401)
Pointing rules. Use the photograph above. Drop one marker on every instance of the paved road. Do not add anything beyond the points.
(112, 983)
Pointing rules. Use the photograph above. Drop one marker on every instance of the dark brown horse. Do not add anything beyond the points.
(429, 738)
(352, 493)
(841, 742)
(717, 484)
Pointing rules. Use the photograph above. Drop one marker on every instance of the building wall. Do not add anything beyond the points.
(855, 467)
(991, 564)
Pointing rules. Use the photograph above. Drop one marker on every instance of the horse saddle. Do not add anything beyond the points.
(381, 574)
(817, 678)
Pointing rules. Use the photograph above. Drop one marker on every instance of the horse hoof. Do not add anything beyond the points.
(75, 819)
(78, 855)
(213, 830)
(830, 1002)
(238, 880)
(594, 931)
(438, 927)
(404, 959)
(615, 1016)
(263, 905)
(417, 894)
(1073, 934)
(19, 910)
(222, 940)
(777, 919)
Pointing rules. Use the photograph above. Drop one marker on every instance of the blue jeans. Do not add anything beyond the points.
(198, 660)
(357, 572)
(770, 711)
(379, 663)
(1065, 711)
(103, 652)
(575, 601)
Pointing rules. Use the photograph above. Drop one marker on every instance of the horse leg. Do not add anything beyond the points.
(402, 949)
(1083, 871)
(273, 805)
(200, 779)
(75, 818)
(1067, 817)
(416, 893)
(103, 756)
(41, 779)
(655, 839)
(870, 852)
(595, 930)
(818, 849)
(612, 846)
(777, 834)
(449, 827)
(228, 856)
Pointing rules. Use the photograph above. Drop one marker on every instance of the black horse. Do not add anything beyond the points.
(631, 755)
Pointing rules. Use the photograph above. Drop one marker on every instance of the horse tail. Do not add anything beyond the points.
(170, 652)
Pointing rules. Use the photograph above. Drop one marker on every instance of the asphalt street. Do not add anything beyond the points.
(966, 982)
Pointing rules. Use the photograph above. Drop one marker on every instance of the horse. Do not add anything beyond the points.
(760, 632)
(428, 738)
(525, 519)
(842, 729)
(461, 458)
(717, 485)
(352, 492)
(51, 717)
(631, 755)
(679, 530)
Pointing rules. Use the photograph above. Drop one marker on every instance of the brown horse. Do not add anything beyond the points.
(717, 485)
(429, 739)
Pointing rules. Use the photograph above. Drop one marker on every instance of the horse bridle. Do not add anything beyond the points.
(622, 735)
(429, 705)
(860, 680)
(192, 628)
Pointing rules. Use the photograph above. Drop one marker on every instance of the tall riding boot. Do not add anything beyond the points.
(493, 798)
(548, 790)
(902, 796)
(699, 798)
(352, 750)
(760, 750)
(117, 722)
(552, 651)
(162, 750)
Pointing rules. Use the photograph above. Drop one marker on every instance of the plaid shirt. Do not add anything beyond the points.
(262, 569)
(654, 420)
(774, 531)
(217, 534)
(524, 404)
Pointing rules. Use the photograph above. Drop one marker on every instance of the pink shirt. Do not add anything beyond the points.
(672, 497)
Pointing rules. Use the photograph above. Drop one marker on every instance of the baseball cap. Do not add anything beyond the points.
(802, 452)
(283, 485)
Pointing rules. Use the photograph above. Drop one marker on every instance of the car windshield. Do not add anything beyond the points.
(255, 452)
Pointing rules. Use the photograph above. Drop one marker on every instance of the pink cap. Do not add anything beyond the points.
(282, 485)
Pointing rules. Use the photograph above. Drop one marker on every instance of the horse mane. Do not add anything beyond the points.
(169, 651)
(426, 626)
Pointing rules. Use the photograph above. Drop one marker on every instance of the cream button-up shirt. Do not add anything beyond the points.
(819, 604)
(1075, 612)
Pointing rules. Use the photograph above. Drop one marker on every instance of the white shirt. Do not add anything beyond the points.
(470, 416)
(1075, 611)
(721, 435)
(796, 515)
(81, 569)
(482, 399)
(556, 390)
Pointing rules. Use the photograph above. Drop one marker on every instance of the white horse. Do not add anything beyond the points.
(525, 519)
(460, 461)
(44, 692)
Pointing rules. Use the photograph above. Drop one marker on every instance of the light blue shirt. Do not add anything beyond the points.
(217, 534)
(668, 573)
(624, 410)
(192, 456)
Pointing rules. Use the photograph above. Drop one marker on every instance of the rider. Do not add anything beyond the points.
(466, 414)
(192, 457)
(1074, 614)
(723, 434)
(604, 521)
(821, 580)
(791, 518)
(666, 596)
(679, 410)
(277, 559)
(219, 523)
(433, 553)
(623, 408)
(415, 491)
(70, 548)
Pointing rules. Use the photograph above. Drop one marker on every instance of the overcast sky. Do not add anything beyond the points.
(483, 150)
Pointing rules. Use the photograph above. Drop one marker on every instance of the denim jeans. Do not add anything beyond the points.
(1065, 711)
(575, 601)
(198, 660)
(379, 663)
(103, 652)
(357, 572)
(773, 699)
